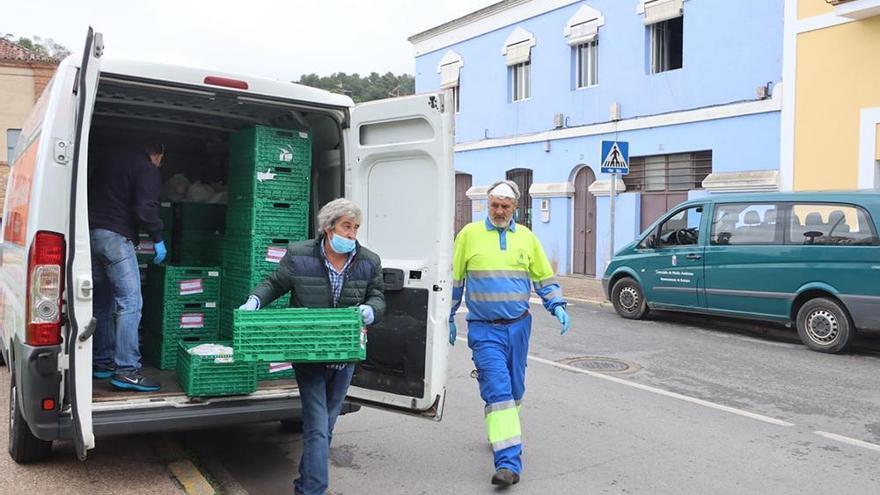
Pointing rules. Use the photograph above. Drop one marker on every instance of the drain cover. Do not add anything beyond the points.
(602, 364)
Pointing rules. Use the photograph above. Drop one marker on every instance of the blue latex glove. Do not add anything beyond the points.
(453, 331)
(367, 314)
(160, 252)
(252, 303)
(562, 316)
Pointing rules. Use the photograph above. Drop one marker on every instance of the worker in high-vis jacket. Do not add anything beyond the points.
(499, 262)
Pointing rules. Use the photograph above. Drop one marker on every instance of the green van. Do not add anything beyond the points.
(808, 259)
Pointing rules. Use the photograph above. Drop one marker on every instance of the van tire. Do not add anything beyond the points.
(824, 325)
(628, 299)
(24, 447)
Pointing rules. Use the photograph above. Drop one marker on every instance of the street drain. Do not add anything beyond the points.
(601, 364)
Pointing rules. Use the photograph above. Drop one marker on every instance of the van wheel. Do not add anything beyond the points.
(824, 325)
(628, 299)
(24, 447)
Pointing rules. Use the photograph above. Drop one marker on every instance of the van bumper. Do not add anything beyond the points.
(226, 413)
(605, 282)
(37, 378)
(863, 310)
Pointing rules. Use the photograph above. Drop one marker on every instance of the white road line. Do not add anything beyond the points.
(666, 393)
(848, 440)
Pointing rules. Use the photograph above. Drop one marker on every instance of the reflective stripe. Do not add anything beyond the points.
(523, 274)
(499, 297)
(502, 425)
(555, 293)
(457, 283)
(504, 444)
(544, 283)
(499, 406)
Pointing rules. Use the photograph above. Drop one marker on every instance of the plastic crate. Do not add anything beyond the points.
(291, 182)
(191, 319)
(181, 284)
(255, 256)
(161, 350)
(262, 145)
(198, 217)
(200, 248)
(268, 216)
(300, 335)
(265, 373)
(213, 375)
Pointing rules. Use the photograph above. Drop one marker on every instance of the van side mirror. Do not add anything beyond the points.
(649, 242)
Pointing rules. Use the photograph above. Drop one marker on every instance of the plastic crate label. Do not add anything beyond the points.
(210, 305)
(274, 254)
(304, 135)
(192, 320)
(285, 155)
(267, 175)
(224, 360)
(278, 367)
(146, 247)
(190, 287)
(213, 274)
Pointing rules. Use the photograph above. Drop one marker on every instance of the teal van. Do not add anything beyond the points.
(808, 259)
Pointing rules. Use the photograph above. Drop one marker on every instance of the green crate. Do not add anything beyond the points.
(231, 302)
(198, 217)
(200, 248)
(180, 284)
(161, 351)
(269, 216)
(201, 376)
(262, 145)
(264, 372)
(255, 256)
(300, 335)
(291, 182)
(192, 318)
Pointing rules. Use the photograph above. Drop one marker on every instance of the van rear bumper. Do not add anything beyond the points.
(126, 422)
(864, 312)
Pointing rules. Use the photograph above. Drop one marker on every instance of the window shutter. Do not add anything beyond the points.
(584, 32)
(518, 53)
(449, 74)
(662, 10)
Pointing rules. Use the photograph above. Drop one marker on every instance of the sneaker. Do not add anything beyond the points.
(101, 372)
(135, 381)
(505, 477)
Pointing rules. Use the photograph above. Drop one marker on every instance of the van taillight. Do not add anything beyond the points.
(45, 284)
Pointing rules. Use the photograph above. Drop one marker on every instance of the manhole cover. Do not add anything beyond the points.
(602, 364)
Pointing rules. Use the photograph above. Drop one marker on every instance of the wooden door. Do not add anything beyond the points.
(584, 224)
(463, 215)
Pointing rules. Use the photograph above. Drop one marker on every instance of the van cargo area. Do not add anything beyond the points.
(195, 125)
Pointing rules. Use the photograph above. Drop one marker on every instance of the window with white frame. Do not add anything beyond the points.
(450, 76)
(582, 32)
(518, 57)
(665, 27)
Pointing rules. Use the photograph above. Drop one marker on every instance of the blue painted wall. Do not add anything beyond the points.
(730, 48)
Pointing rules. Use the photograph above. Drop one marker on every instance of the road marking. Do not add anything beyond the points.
(191, 478)
(666, 393)
(848, 440)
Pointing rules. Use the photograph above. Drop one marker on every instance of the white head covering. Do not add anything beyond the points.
(504, 189)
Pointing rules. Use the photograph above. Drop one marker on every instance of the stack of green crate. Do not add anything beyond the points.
(198, 233)
(180, 304)
(269, 185)
(213, 374)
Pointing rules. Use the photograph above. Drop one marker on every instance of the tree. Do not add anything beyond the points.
(45, 47)
(360, 89)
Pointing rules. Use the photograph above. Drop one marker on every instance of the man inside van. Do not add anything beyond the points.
(499, 262)
(331, 271)
(123, 200)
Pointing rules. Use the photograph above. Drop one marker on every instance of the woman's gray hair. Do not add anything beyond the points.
(510, 183)
(336, 209)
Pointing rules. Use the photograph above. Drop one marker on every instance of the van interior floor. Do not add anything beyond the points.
(103, 391)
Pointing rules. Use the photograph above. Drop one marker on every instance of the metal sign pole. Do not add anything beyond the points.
(611, 235)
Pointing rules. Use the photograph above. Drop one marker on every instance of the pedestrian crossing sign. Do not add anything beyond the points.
(615, 157)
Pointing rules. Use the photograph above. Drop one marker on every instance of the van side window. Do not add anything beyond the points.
(682, 228)
(831, 225)
(744, 223)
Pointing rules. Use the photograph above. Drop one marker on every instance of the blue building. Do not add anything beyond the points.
(691, 85)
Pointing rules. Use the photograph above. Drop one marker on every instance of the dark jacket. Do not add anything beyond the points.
(124, 196)
(302, 272)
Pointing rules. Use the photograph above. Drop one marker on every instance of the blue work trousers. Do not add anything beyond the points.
(499, 354)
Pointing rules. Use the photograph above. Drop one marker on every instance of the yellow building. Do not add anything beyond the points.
(831, 102)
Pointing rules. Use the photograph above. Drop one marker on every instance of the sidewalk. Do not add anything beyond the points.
(584, 288)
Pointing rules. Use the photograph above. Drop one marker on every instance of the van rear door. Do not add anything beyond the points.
(400, 172)
(79, 263)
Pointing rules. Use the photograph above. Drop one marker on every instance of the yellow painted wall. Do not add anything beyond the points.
(16, 100)
(838, 74)
(810, 8)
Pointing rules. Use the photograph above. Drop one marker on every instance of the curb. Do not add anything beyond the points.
(178, 460)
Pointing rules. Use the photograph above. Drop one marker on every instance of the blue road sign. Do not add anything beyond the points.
(615, 157)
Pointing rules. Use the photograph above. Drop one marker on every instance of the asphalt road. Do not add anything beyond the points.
(698, 407)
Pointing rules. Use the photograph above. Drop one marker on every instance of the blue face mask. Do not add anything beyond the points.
(341, 245)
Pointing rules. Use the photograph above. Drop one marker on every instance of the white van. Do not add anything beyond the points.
(394, 157)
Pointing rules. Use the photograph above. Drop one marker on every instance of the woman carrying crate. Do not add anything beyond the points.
(354, 274)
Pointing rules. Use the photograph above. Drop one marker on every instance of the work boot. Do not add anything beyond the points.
(134, 381)
(505, 477)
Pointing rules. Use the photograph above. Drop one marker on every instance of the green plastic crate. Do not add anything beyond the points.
(257, 255)
(198, 217)
(161, 350)
(192, 318)
(200, 248)
(262, 145)
(181, 284)
(269, 216)
(300, 335)
(292, 182)
(201, 376)
(264, 372)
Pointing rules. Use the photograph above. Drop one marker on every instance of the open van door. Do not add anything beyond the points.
(81, 324)
(400, 171)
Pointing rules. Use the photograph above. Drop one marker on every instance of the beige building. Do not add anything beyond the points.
(23, 75)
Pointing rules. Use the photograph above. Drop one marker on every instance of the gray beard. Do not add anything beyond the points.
(504, 224)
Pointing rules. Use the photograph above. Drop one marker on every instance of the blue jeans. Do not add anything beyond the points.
(117, 303)
(322, 391)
